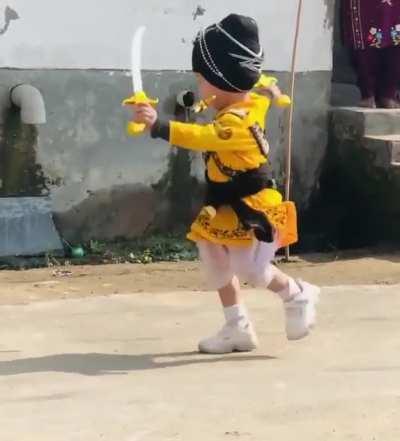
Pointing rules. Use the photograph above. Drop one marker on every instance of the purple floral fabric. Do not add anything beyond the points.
(371, 23)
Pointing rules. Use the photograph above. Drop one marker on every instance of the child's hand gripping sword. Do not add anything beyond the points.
(266, 82)
(139, 96)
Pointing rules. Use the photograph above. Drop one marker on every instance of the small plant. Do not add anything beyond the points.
(149, 249)
(96, 247)
(144, 250)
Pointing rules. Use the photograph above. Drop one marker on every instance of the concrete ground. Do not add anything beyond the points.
(122, 368)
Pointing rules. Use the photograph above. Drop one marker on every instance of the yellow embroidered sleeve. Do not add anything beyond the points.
(227, 133)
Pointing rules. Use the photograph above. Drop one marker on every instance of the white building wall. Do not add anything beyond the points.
(96, 34)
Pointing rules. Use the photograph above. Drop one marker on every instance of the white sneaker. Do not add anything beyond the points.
(231, 338)
(301, 311)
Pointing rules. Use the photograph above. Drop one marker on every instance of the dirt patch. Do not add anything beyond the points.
(19, 287)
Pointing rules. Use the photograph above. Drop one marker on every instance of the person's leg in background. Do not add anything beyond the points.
(366, 63)
(389, 78)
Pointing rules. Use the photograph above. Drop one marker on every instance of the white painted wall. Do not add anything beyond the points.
(82, 34)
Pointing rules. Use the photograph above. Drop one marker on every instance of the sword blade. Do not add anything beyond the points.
(136, 69)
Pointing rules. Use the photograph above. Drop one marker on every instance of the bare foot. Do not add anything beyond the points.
(368, 103)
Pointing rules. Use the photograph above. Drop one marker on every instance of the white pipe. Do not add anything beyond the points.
(31, 102)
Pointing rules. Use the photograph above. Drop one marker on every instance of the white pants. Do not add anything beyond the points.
(251, 264)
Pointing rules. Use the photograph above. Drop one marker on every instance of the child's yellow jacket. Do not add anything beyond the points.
(236, 141)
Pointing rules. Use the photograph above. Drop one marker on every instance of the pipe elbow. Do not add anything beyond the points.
(31, 103)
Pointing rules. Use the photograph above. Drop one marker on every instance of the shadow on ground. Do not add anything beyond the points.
(384, 254)
(117, 364)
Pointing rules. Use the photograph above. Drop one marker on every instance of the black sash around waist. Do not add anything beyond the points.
(241, 185)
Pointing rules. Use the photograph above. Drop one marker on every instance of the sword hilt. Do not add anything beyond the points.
(133, 128)
(265, 82)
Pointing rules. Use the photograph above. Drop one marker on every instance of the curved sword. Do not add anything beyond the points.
(139, 96)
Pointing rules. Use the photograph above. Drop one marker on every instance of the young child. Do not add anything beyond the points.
(238, 238)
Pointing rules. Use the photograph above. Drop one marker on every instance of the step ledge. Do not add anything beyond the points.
(367, 110)
(387, 138)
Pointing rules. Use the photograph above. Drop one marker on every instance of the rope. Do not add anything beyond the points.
(288, 156)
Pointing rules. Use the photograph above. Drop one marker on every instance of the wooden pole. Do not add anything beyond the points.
(289, 146)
